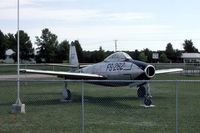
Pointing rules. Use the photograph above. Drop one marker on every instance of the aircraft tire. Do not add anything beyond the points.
(141, 92)
(66, 94)
(147, 101)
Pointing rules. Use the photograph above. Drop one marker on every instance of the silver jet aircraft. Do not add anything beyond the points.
(117, 66)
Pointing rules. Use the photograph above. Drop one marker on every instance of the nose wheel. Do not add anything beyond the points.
(147, 101)
(144, 92)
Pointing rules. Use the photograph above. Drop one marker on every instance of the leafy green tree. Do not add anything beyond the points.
(26, 47)
(163, 58)
(136, 55)
(11, 42)
(177, 55)
(148, 53)
(189, 46)
(142, 57)
(47, 46)
(2, 45)
(62, 51)
(170, 53)
(79, 50)
(100, 55)
(87, 57)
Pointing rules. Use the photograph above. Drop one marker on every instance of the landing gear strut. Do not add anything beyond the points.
(141, 92)
(144, 92)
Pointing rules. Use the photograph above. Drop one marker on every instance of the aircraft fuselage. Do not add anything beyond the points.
(120, 70)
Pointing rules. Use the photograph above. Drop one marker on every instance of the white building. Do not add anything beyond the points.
(191, 57)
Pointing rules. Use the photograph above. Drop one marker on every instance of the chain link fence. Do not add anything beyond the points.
(96, 108)
(100, 109)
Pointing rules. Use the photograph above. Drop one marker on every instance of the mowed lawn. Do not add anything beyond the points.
(106, 109)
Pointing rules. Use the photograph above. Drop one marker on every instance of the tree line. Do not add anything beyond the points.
(49, 50)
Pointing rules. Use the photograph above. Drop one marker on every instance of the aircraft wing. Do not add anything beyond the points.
(68, 65)
(168, 70)
(66, 75)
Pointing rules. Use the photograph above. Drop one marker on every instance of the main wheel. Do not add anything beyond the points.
(147, 101)
(66, 94)
(141, 92)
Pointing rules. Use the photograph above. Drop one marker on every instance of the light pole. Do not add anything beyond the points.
(18, 107)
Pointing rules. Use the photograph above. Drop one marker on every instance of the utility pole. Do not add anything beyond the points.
(115, 45)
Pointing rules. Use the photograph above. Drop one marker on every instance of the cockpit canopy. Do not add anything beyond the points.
(118, 56)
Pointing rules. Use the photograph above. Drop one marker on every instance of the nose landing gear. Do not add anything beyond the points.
(144, 92)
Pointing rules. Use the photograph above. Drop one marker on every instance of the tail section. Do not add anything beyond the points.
(73, 59)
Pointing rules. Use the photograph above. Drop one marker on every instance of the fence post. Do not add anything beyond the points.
(177, 92)
(82, 107)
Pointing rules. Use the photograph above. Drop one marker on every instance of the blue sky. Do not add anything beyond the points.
(136, 24)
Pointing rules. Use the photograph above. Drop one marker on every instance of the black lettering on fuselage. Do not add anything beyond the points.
(119, 66)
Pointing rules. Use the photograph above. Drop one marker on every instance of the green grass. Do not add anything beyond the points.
(4, 69)
(106, 109)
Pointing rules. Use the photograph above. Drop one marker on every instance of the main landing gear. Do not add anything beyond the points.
(66, 93)
(144, 92)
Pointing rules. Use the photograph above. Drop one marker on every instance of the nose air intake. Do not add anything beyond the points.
(149, 71)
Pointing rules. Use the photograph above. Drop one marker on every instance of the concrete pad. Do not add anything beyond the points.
(145, 106)
(65, 101)
(18, 108)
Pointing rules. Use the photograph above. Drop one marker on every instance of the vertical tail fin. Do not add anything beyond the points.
(73, 59)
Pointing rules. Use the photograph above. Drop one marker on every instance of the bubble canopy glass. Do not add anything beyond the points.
(118, 56)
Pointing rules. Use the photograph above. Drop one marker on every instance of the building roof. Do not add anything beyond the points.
(190, 55)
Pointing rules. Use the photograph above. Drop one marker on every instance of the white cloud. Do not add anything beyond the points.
(70, 15)
(46, 14)
(98, 33)
(135, 33)
(129, 16)
(35, 12)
